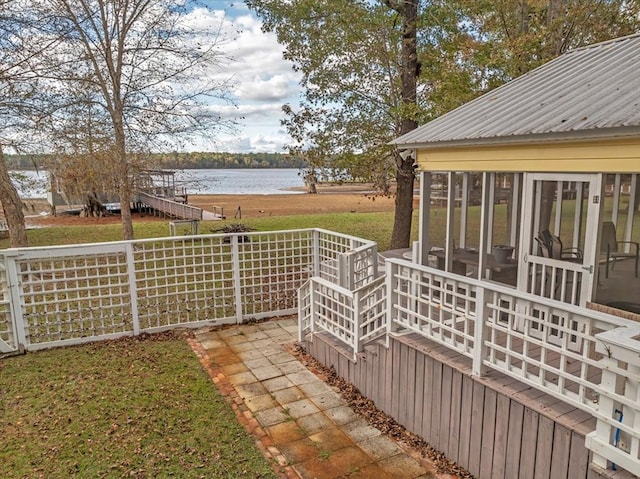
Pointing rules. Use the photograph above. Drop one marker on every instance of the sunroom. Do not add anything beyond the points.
(535, 184)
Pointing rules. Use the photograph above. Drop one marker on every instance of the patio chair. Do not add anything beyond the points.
(551, 247)
(611, 246)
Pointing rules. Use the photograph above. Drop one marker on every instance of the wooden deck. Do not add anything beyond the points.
(494, 426)
(620, 286)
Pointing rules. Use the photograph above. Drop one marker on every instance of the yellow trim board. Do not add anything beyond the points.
(621, 156)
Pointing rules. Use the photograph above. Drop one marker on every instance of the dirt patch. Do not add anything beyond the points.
(331, 198)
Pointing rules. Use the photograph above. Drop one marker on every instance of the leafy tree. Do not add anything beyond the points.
(512, 38)
(359, 67)
(372, 69)
(149, 67)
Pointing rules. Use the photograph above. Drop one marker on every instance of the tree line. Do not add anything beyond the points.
(178, 161)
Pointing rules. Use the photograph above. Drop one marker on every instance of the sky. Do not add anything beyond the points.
(262, 81)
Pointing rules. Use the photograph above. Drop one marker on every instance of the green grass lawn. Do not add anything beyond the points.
(126, 408)
(373, 226)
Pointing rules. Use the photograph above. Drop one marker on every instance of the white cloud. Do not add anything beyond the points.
(243, 143)
(261, 80)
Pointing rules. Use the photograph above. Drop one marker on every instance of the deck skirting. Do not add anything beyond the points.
(494, 426)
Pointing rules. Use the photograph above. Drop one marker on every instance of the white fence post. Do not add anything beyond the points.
(237, 283)
(13, 283)
(392, 298)
(617, 435)
(133, 287)
(357, 310)
(312, 307)
(316, 253)
(343, 270)
(479, 349)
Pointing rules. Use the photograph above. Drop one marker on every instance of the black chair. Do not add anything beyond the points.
(611, 247)
(551, 247)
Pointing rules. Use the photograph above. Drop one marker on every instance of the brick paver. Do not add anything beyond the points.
(300, 423)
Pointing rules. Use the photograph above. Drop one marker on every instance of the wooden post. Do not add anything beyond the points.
(451, 204)
(616, 439)
(464, 209)
(424, 218)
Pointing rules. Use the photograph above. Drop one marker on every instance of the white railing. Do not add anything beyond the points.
(62, 295)
(354, 317)
(346, 260)
(170, 207)
(555, 347)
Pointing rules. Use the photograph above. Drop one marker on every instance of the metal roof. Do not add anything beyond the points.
(591, 92)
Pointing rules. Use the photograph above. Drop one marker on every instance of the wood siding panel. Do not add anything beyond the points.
(544, 448)
(378, 370)
(578, 458)
(466, 413)
(436, 405)
(387, 378)
(395, 379)
(561, 451)
(514, 440)
(454, 416)
(529, 443)
(403, 384)
(418, 404)
(502, 432)
(411, 389)
(488, 433)
(427, 433)
(619, 156)
(475, 439)
(445, 409)
(371, 358)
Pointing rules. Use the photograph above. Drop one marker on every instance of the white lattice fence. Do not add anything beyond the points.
(353, 317)
(71, 294)
(346, 260)
(186, 280)
(273, 266)
(8, 334)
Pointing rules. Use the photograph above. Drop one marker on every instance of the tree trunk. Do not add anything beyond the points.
(548, 200)
(12, 207)
(311, 181)
(401, 234)
(93, 207)
(125, 210)
(410, 69)
(123, 174)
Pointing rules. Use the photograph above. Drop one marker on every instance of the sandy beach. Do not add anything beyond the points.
(331, 198)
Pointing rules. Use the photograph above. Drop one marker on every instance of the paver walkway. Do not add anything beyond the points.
(298, 420)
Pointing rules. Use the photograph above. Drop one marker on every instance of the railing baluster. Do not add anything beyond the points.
(479, 348)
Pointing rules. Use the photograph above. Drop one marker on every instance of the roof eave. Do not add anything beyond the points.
(562, 137)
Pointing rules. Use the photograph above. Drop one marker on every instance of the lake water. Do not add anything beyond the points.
(268, 181)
